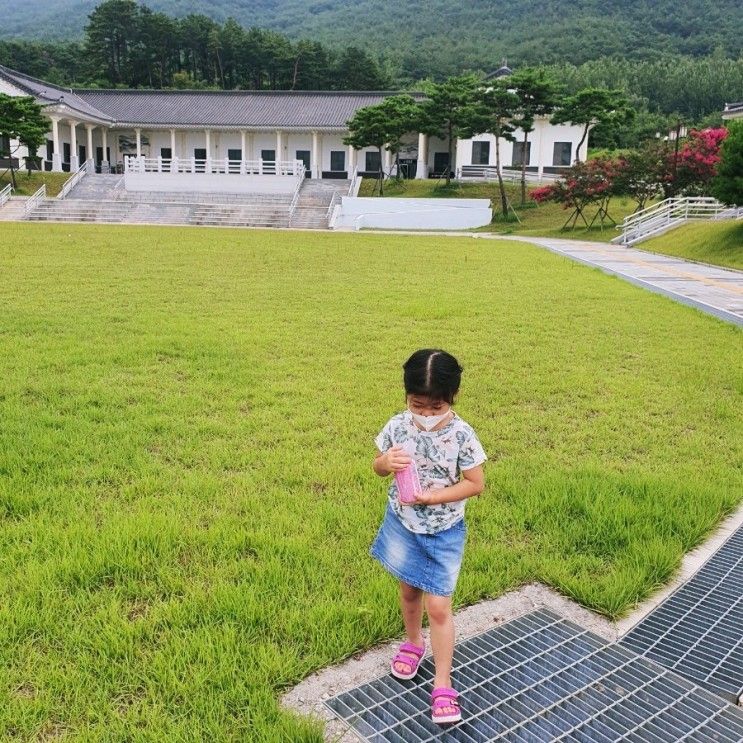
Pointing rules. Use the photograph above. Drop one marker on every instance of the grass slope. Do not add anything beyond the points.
(720, 243)
(186, 496)
(29, 183)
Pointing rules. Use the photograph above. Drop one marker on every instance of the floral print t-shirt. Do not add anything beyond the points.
(440, 457)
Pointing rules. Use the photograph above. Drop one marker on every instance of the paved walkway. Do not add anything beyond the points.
(718, 291)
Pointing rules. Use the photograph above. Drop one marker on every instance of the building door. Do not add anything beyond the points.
(199, 155)
(440, 163)
(99, 156)
(81, 154)
(66, 156)
(408, 167)
(304, 156)
(269, 161)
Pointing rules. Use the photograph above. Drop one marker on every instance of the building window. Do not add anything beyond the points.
(304, 156)
(561, 153)
(199, 153)
(268, 155)
(49, 149)
(235, 155)
(373, 163)
(165, 153)
(481, 153)
(5, 146)
(440, 162)
(518, 153)
(337, 160)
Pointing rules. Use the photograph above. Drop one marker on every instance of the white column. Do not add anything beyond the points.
(279, 149)
(90, 155)
(57, 154)
(243, 153)
(74, 157)
(316, 163)
(421, 169)
(541, 155)
(208, 136)
(173, 153)
(138, 132)
(104, 142)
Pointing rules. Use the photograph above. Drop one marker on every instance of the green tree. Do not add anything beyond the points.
(593, 106)
(21, 118)
(383, 126)
(727, 185)
(537, 93)
(448, 111)
(110, 37)
(493, 114)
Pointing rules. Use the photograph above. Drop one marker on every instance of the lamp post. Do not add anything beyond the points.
(675, 136)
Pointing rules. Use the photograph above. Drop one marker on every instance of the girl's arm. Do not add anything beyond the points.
(472, 483)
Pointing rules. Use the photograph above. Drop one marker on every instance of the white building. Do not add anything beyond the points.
(733, 111)
(205, 126)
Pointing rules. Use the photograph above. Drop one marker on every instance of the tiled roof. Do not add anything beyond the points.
(46, 93)
(250, 109)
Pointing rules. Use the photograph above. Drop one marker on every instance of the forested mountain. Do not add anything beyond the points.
(440, 37)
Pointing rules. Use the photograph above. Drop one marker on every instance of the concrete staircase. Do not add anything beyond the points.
(311, 212)
(13, 209)
(103, 198)
(78, 210)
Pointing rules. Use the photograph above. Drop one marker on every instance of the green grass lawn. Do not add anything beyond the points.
(28, 183)
(186, 493)
(720, 243)
(538, 220)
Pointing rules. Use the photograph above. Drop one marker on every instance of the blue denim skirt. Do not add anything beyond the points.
(430, 562)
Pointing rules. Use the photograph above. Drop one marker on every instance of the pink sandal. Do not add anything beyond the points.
(412, 663)
(442, 698)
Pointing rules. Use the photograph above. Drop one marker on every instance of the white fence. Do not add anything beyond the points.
(213, 166)
(488, 173)
(5, 194)
(666, 215)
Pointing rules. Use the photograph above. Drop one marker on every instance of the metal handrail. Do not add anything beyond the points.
(334, 199)
(33, 200)
(5, 194)
(73, 180)
(353, 188)
(295, 199)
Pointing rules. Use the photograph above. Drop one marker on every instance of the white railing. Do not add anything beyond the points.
(299, 175)
(355, 185)
(33, 201)
(71, 182)
(666, 214)
(5, 194)
(486, 173)
(223, 166)
(334, 203)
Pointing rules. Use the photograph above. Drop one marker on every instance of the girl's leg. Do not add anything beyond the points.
(411, 605)
(441, 621)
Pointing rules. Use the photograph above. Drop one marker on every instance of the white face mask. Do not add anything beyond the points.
(428, 422)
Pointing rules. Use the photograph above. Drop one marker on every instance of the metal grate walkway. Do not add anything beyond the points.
(542, 678)
(698, 630)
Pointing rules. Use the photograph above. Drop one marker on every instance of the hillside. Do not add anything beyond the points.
(440, 37)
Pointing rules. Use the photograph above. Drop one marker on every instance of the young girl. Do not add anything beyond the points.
(421, 544)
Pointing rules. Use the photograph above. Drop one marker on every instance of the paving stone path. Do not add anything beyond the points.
(718, 291)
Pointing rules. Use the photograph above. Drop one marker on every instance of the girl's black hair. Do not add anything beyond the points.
(432, 373)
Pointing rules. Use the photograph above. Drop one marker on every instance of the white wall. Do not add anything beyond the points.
(210, 183)
(542, 140)
(413, 214)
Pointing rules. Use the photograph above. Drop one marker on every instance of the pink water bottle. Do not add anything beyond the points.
(407, 480)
